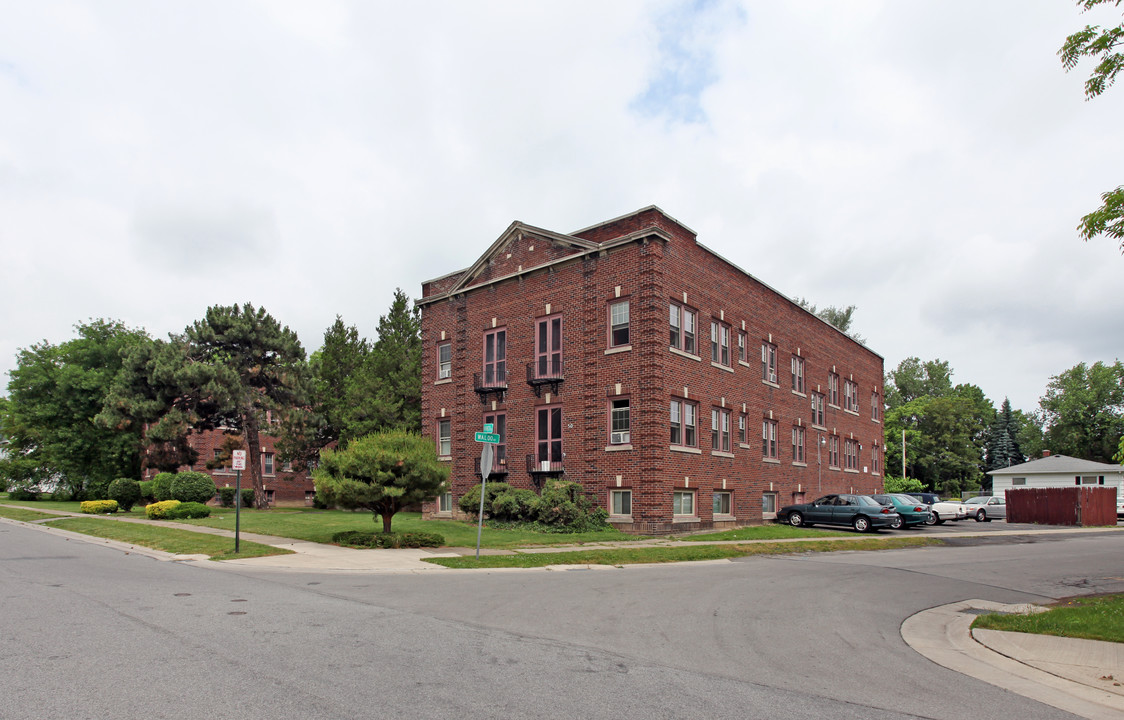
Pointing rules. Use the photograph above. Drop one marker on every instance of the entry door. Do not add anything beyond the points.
(548, 434)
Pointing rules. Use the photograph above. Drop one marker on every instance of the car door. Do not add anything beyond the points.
(820, 510)
(997, 507)
(844, 509)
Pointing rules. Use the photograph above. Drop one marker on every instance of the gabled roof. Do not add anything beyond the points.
(1059, 465)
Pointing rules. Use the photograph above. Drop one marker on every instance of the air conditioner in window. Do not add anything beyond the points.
(620, 438)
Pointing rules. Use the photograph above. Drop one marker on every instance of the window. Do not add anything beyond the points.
(720, 430)
(548, 434)
(548, 347)
(224, 467)
(850, 396)
(721, 503)
(743, 355)
(269, 497)
(769, 363)
(618, 324)
(495, 358)
(875, 407)
(833, 451)
(498, 421)
(720, 343)
(620, 502)
(619, 425)
(445, 503)
(444, 361)
(851, 454)
(876, 459)
(684, 423)
(741, 428)
(287, 466)
(1089, 480)
(683, 322)
(445, 437)
(818, 409)
(798, 444)
(683, 503)
(797, 374)
(769, 439)
(267, 463)
(1018, 481)
(833, 389)
(769, 506)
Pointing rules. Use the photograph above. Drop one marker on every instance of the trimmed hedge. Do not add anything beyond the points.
(188, 510)
(469, 503)
(192, 487)
(226, 497)
(99, 507)
(146, 491)
(162, 486)
(126, 492)
(364, 539)
(159, 510)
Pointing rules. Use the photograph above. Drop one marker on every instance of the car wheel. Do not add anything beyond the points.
(896, 523)
(981, 516)
(861, 523)
(933, 519)
(795, 519)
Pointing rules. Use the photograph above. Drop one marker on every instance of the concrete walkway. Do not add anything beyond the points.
(1083, 677)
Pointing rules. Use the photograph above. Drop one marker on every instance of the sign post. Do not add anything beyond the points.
(489, 439)
(238, 462)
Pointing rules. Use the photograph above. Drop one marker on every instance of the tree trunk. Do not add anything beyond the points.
(387, 515)
(253, 449)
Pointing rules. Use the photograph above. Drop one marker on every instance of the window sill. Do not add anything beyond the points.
(720, 366)
(684, 353)
(444, 458)
(615, 350)
(443, 381)
(772, 461)
(819, 427)
(877, 422)
(617, 448)
(771, 383)
(852, 412)
(831, 405)
(800, 464)
(744, 446)
(685, 449)
(443, 514)
(684, 519)
(834, 467)
(851, 470)
(720, 453)
(620, 518)
(723, 518)
(800, 393)
(743, 363)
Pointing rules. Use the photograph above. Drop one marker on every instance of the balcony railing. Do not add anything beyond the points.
(545, 372)
(490, 382)
(544, 467)
(499, 466)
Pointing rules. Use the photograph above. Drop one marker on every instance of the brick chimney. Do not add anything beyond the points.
(1045, 453)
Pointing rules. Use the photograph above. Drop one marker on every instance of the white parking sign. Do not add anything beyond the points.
(238, 458)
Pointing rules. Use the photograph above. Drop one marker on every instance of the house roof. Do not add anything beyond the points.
(1059, 465)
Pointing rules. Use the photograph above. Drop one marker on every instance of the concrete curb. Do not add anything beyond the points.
(943, 634)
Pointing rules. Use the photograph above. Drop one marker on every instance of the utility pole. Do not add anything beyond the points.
(903, 453)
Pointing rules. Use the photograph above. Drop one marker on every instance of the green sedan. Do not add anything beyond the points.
(911, 511)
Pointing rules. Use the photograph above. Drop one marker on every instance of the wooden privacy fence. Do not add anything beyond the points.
(1084, 506)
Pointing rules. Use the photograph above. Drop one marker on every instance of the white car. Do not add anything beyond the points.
(984, 508)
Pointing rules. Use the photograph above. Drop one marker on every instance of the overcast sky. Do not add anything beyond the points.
(927, 161)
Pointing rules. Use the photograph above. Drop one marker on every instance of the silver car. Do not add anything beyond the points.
(985, 508)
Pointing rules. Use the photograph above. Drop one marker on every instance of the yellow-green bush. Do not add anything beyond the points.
(159, 510)
(99, 507)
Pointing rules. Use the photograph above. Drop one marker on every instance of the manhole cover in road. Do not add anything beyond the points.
(237, 612)
(182, 595)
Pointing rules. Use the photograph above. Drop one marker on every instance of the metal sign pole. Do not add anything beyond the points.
(237, 506)
(485, 471)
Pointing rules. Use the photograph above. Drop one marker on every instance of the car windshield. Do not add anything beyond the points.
(976, 501)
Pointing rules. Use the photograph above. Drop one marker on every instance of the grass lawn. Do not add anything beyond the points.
(630, 556)
(173, 540)
(1099, 617)
(24, 515)
(765, 532)
(319, 526)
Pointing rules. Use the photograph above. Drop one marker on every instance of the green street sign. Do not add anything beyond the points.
(485, 437)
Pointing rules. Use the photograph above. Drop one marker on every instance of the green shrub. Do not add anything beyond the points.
(98, 507)
(188, 510)
(126, 492)
(247, 497)
(192, 487)
(146, 491)
(94, 490)
(162, 487)
(565, 508)
(369, 539)
(469, 503)
(226, 497)
(59, 495)
(159, 510)
(24, 494)
(515, 505)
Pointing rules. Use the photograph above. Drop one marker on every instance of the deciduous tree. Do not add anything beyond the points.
(1083, 411)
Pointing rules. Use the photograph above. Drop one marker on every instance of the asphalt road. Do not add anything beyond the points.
(90, 632)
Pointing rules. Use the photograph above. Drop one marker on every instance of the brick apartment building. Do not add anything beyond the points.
(680, 391)
(282, 485)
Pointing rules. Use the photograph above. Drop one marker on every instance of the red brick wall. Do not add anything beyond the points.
(651, 274)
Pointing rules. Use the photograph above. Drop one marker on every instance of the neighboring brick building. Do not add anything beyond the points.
(282, 485)
(681, 392)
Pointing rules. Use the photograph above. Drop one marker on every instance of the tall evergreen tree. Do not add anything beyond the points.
(1003, 443)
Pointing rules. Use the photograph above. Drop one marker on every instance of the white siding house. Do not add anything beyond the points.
(1060, 471)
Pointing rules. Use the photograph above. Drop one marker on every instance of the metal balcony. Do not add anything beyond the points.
(544, 372)
(499, 466)
(490, 382)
